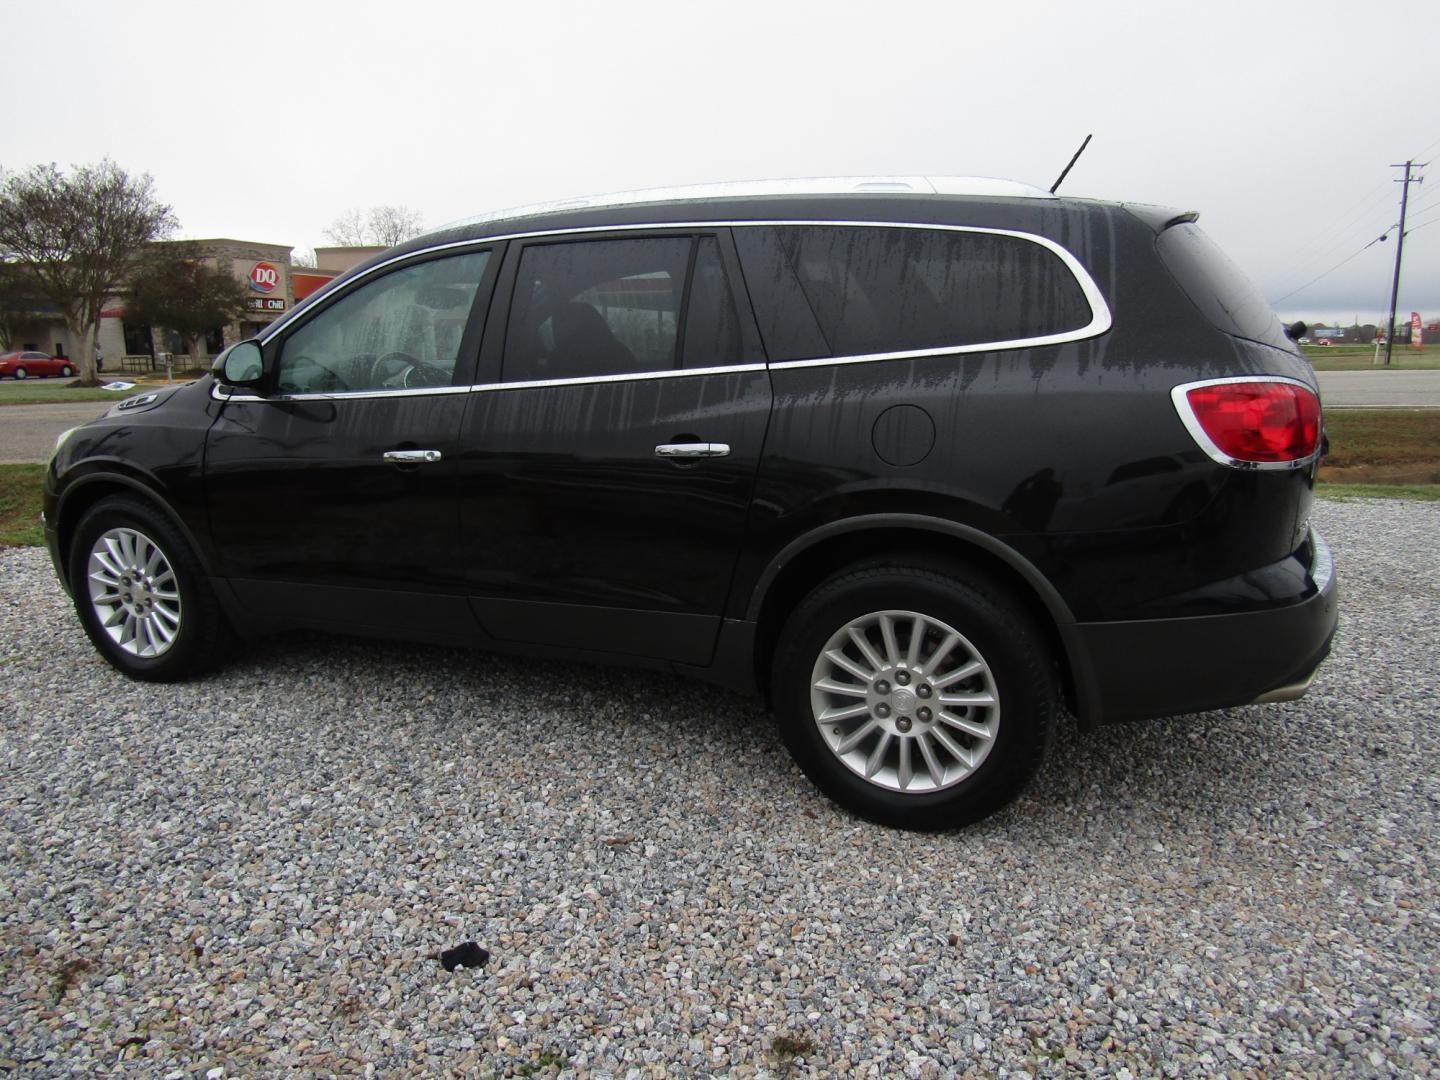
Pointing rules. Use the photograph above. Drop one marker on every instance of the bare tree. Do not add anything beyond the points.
(77, 235)
(381, 226)
(348, 230)
(391, 225)
(304, 258)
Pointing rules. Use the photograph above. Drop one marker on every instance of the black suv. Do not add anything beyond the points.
(920, 461)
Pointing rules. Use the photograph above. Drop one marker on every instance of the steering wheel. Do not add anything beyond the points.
(398, 369)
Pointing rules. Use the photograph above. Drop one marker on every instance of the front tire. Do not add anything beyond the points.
(918, 696)
(20, 373)
(141, 593)
(67, 371)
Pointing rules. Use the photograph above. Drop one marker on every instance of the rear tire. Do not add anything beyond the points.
(141, 593)
(939, 694)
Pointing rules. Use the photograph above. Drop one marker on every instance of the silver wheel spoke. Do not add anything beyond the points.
(887, 634)
(959, 674)
(830, 686)
(966, 699)
(903, 773)
(843, 712)
(856, 737)
(932, 763)
(877, 756)
(840, 660)
(951, 640)
(917, 635)
(954, 749)
(866, 650)
(959, 723)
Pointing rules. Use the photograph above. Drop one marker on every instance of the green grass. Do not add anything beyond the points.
(1361, 358)
(54, 392)
(1382, 437)
(20, 497)
(1413, 492)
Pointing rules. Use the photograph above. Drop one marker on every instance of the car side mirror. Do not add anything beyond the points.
(243, 364)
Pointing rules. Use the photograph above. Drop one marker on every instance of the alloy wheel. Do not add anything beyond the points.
(133, 592)
(905, 701)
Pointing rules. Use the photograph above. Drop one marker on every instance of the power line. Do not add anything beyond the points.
(1331, 238)
(1327, 273)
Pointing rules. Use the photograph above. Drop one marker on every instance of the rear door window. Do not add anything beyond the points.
(593, 308)
(712, 323)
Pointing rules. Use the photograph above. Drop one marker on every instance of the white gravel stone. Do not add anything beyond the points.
(254, 873)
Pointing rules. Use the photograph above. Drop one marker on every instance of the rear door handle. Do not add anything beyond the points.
(411, 457)
(687, 450)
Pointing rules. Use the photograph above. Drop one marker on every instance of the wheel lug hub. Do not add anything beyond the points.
(923, 690)
(923, 715)
(903, 724)
(902, 677)
(882, 687)
(882, 710)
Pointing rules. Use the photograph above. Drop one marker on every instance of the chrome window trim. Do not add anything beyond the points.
(1179, 397)
(585, 380)
(1100, 322)
(218, 393)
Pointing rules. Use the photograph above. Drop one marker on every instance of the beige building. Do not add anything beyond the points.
(273, 284)
(264, 268)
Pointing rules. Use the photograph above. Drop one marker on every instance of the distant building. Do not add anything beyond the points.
(275, 286)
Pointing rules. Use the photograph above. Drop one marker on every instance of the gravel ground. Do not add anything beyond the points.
(255, 872)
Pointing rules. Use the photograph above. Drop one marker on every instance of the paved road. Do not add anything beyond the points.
(1381, 389)
(27, 432)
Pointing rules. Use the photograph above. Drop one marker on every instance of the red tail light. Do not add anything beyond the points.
(1252, 421)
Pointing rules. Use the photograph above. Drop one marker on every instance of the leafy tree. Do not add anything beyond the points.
(22, 303)
(175, 287)
(77, 234)
(381, 226)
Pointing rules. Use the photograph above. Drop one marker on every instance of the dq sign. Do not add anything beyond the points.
(264, 277)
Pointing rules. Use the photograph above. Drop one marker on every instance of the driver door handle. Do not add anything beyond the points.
(686, 450)
(411, 457)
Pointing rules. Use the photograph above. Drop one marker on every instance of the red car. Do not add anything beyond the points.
(22, 365)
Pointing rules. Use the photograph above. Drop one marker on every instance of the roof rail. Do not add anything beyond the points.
(820, 185)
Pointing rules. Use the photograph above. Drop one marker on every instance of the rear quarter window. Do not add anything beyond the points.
(872, 289)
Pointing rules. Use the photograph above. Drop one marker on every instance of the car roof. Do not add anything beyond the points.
(753, 189)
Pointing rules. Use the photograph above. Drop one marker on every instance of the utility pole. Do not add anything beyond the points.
(1400, 247)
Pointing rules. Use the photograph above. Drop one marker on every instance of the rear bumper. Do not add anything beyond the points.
(1163, 667)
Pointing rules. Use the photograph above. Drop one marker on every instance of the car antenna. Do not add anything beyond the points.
(1074, 159)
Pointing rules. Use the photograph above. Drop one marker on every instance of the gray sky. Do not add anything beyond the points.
(1276, 120)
